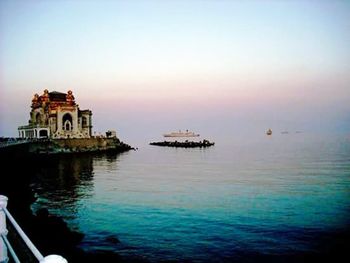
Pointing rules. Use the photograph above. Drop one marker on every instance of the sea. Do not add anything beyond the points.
(253, 198)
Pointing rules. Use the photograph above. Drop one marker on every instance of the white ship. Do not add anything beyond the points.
(181, 134)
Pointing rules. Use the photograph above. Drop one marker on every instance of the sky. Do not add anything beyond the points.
(149, 67)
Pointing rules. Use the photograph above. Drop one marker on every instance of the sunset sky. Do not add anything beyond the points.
(147, 67)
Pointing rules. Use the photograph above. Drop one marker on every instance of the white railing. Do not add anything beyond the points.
(16, 141)
(5, 245)
(12, 142)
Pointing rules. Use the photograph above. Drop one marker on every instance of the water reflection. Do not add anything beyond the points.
(61, 181)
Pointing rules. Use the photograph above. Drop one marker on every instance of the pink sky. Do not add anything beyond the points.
(282, 65)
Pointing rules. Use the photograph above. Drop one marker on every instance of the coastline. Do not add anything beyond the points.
(64, 146)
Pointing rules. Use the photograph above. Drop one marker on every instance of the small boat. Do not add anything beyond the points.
(269, 132)
(181, 134)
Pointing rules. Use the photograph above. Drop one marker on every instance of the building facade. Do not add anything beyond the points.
(56, 115)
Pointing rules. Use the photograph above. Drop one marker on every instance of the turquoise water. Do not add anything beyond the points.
(244, 198)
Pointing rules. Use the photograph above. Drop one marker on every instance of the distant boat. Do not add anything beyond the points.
(269, 132)
(181, 134)
(285, 132)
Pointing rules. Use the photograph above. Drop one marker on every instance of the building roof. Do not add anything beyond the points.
(57, 96)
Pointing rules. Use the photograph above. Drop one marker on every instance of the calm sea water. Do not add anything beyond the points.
(243, 199)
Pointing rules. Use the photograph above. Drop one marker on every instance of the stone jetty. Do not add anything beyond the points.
(185, 144)
(62, 146)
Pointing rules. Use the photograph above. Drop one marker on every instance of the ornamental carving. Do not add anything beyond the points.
(70, 98)
(35, 101)
(45, 97)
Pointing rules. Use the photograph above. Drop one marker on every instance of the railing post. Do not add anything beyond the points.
(53, 259)
(3, 230)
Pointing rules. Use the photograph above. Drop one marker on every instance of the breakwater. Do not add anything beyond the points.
(61, 146)
(185, 144)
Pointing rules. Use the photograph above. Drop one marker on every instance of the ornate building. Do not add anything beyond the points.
(56, 115)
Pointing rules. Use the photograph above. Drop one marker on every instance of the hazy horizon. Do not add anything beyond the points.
(148, 67)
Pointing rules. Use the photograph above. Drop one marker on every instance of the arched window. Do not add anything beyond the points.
(43, 133)
(67, 122)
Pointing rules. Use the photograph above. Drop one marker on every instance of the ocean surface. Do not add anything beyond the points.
(247, 199)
